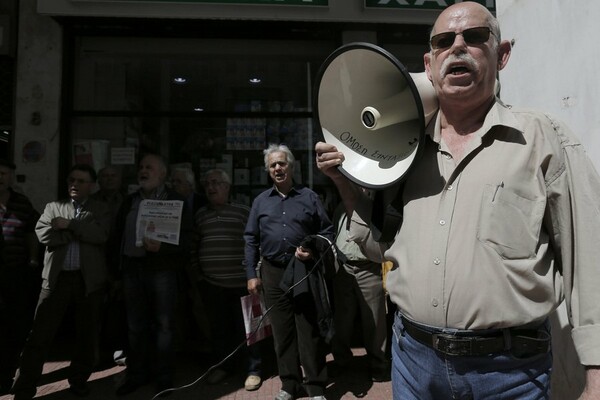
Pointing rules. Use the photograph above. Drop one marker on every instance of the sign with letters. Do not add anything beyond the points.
(255, 2)
(423, 4)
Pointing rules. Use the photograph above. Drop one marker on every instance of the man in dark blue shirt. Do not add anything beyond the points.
(280, 219)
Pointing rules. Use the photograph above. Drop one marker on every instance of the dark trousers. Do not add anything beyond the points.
(113, 331)
(358, 291)
(150, 299)
(52, 307)
(224, 310)
(296, 336)
(18, 286)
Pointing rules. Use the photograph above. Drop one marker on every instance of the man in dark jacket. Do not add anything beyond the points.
(148, 267)
(19, 272)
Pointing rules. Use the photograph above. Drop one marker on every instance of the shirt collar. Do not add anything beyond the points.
(498, 115)
(275, 192)
(76, 203)
(157, 194)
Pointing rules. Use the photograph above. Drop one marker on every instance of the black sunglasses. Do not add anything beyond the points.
(471, 36)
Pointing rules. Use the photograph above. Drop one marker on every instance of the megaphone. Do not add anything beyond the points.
(373, 110)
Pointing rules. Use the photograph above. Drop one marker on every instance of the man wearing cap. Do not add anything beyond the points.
(18, 272)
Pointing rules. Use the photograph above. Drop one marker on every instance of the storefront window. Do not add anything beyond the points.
(203, 103)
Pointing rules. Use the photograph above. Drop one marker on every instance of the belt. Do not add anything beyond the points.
(521, 343)
(277, 264)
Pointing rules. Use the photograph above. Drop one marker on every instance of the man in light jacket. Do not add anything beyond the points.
(74, 232)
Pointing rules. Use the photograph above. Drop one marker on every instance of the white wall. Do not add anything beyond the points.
(554, 68)
(39, 69)
(555, 63)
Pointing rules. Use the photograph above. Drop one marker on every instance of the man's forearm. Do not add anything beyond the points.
(592, 383)
(349, 192)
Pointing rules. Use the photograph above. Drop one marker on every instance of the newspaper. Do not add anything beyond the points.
(159, 220)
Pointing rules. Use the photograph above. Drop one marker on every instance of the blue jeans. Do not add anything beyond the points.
(421, 373)
(150, 298)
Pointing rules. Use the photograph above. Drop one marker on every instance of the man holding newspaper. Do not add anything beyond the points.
(154, 233)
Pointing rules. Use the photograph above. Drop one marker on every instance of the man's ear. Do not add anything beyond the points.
(427, 63)
(504, 50)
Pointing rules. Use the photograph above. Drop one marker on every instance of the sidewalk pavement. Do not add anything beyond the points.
(353, 383)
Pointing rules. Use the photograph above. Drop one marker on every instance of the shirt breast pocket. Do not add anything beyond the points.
(509, 223)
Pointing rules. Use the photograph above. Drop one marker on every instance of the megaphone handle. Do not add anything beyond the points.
(386, 217)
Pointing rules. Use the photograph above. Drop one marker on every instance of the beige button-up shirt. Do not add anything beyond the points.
(501, 237)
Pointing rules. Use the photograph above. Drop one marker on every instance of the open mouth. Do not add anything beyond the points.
(458, 70)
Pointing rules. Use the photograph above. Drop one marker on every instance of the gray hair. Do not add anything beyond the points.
(162, 163)
(279, 148)
(188, 174)
(224, 176)
(495, 27)
(115, 168)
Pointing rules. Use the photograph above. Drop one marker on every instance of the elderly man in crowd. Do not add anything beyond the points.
(114, 329)
(74, 232)
(110, 190)
(149, 273)
(183, 181)
(19, 272)
(219, 261)
(280, 219)
(192, 332)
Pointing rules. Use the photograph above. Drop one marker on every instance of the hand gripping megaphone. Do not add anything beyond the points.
(373, 110)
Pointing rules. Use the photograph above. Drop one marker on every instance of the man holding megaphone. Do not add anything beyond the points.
(498, 215)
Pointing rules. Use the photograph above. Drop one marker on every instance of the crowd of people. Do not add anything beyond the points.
(137, 298)
(498, 220)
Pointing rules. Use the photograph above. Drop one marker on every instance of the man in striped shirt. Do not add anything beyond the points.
(218, 257)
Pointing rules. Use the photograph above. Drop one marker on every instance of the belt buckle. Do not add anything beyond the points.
(451, 345)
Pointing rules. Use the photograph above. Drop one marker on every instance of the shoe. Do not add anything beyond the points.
(79, 389)
(127, 387)
(217, 376)
(119, 358)
(317, 398)
(378, 375)
(252, 382)
(283, 395)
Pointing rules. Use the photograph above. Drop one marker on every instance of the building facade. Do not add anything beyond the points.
(204, 83)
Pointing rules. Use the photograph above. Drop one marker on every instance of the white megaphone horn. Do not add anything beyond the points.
(373, 110)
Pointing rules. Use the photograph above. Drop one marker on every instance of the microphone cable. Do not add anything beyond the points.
(243, 343)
